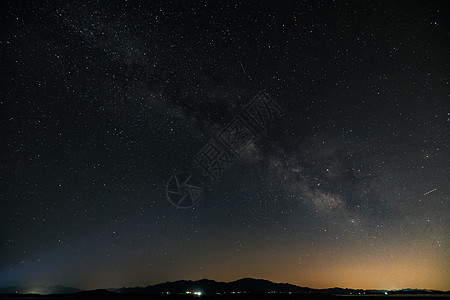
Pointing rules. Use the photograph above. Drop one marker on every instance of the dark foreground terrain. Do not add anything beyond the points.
(100, 295)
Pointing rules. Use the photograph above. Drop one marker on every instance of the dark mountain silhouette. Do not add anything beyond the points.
(246, 285)
(254, 286)
(211, 287)
(264, 286)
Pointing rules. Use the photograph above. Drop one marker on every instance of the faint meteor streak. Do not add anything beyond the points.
(242, 66)
(429, 192)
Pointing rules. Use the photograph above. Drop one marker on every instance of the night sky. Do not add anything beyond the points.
(105, 103)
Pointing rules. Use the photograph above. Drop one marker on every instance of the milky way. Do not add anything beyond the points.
(104, 101)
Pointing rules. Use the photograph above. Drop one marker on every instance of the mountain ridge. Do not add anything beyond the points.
(252, 285)
(211, 287)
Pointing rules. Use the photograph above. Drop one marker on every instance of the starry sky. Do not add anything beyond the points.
(104, 103)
